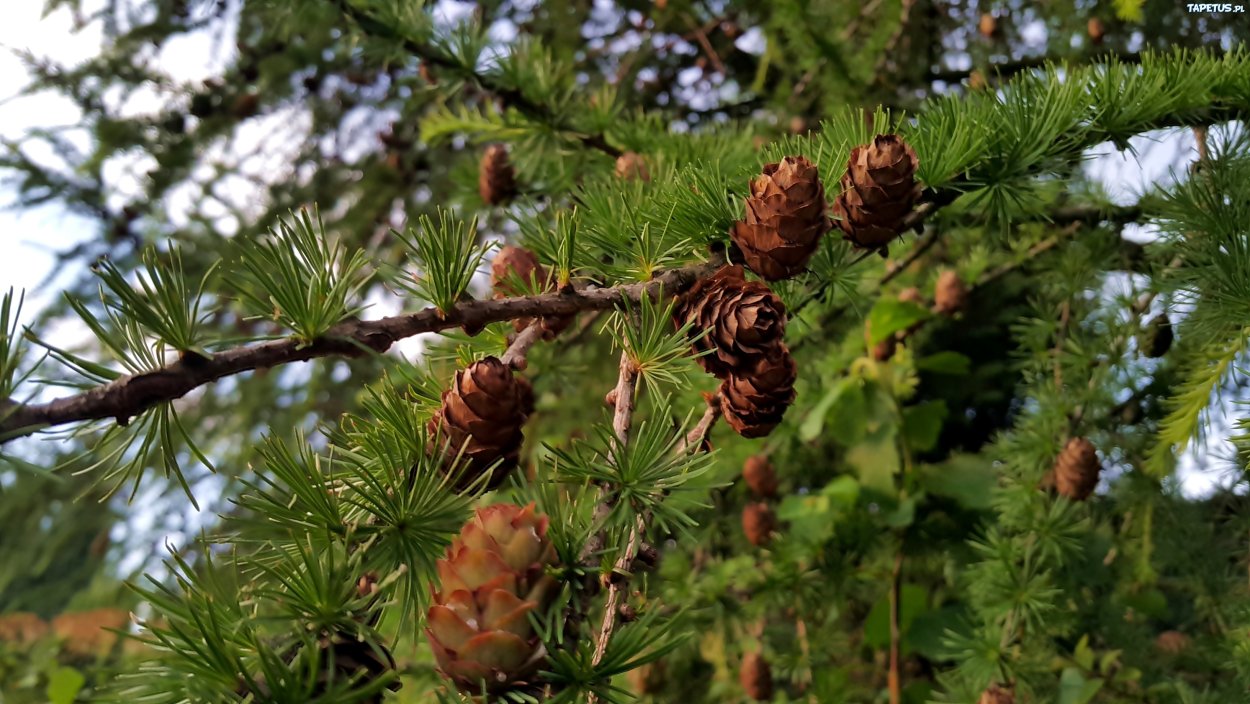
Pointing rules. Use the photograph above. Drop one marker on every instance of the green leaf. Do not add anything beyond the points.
(1084, 655)
(811, 426)
(968, 479)
(922, 424)
(903, 515)
(1075, 689)
(891, 315)
(912, 603)
(946, 362)
(847, 417)
(64, 683)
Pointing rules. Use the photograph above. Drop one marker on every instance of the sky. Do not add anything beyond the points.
(29, 239)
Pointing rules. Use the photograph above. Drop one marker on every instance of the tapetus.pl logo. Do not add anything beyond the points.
(1214, 7)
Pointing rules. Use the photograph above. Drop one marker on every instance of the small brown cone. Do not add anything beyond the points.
(760, 477)
(1096, 30)
(515, 271)
(988, 25)
(1076, 470)
(1156, 339)
(756, 677)
(245, 105)
(883, 350)
(878, 191)
(998, 694)
(631, 165)
(911, 295)
(758, 523)
(649, 678)
(483, 414)
(950, 294)
(744, 321)
(754, 400)
(496, 180)
(976, 80)
(21, 628)
(1172, 642)
(785, 219)
(89, 633)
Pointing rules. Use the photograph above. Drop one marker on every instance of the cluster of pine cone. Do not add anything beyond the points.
(759, 521)
(744, 323)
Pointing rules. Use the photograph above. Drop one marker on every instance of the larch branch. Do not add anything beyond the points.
(130, 395)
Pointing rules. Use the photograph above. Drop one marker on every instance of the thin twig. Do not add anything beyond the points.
(622, 417)
(515, 355)
(896, 636)
(508, 94)
(916, 252)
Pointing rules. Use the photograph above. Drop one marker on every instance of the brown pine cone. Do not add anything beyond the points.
(1096, 30)
(760, 477)
(878, 191)
(758, 523)
(483, 414)
(1076, 470)
(976, 80)
(649, 678)
(631, 165)
(785, 219)
(1172, 642)
(950, 294)
(515, 271)
(496, 179)
(744, 320)
(998, 694)
(753, 400)
(911, 295)
(1156, 339)
(988, 25)
(756, 677)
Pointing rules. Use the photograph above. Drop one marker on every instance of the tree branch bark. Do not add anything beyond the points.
(131, 395)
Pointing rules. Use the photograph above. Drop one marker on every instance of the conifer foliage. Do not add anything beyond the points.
(536, 379)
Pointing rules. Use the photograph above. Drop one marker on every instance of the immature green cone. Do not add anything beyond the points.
(950, 294)
(758, 523)
(496, 179)
(998, 694)
(744, 320)
(785, 219)
(1076, 470)
(482, 416)
(516, 271)
(878, 191)
(490, 582)
(756, 677)
(754, 399)
(1156, 339)
(760, 477)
